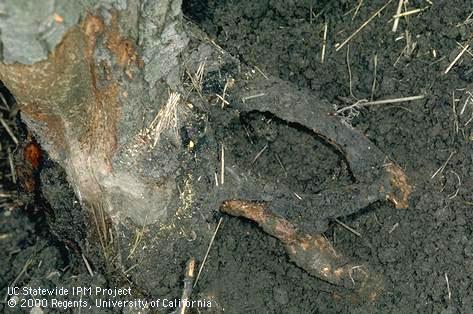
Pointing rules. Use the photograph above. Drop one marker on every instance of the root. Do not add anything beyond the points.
(313, 253)
(188, 285)
(377, 178)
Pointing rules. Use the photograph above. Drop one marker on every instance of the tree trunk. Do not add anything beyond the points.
(127, 99)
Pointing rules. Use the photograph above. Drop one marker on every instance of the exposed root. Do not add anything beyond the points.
(313, 253)
(188, 285)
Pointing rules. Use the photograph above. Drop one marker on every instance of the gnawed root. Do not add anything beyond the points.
(313, 253)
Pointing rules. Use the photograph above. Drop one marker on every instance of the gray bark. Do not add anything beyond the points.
(90, 77)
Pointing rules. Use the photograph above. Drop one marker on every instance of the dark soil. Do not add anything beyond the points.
(415, 249)
(30, 254)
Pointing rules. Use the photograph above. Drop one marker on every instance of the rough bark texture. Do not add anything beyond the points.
(84, 100)
(89, 95)
(115, 100)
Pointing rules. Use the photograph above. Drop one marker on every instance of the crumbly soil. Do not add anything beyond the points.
(415, 249)
(424, 253)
